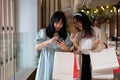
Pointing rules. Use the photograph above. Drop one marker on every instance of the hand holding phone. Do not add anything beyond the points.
(59, 39)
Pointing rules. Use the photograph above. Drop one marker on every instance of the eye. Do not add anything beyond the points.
(75, 24)
(61, 23)
(56, 22)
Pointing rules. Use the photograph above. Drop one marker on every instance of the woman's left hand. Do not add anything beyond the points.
(96, 42)
(62, 46)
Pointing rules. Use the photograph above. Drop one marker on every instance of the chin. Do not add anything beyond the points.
(57, 29)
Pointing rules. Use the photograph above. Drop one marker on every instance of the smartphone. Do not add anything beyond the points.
(59, 39)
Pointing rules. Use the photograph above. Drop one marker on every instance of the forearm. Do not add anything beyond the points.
(99, 47)
(39, 46)
(75, 46)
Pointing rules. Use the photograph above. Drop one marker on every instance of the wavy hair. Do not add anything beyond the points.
(86, 23)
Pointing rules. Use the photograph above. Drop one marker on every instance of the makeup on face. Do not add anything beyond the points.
(58, 25)
(77, 24)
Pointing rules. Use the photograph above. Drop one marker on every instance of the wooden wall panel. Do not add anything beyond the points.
(6, 38)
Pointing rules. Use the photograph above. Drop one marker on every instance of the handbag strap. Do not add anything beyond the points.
(106, 46)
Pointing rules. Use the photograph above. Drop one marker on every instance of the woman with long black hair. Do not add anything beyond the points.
(50, 39)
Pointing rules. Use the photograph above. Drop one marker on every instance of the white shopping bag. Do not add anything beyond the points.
(106, 74)
(63, 66)
(106, 59)
(103, 63)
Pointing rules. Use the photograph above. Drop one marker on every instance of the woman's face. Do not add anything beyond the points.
(58, 25)
(77, 24)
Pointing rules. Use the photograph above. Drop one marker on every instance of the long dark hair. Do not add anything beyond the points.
(57, 16)
(86, 23)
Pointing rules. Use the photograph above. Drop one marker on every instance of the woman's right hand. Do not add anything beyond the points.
(96, 42)
(74, 40)
(45, 43)
(72, 37)
(53, 39)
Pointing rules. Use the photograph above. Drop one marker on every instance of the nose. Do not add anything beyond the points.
(58, 25)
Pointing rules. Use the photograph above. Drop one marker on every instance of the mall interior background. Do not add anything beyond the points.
(21, 19)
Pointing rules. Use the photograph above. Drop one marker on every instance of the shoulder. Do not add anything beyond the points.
(41, 35)
(42, 32)
(95, 28)
(98, 30)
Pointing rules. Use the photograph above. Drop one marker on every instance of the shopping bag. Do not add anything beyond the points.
(75, 70)
(103, 63)
(106, 59)
(118, 69)
(63, 66)
(106, 74)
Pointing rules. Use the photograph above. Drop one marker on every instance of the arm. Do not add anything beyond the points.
(43, 44)
(74, 41)
(66, 44)
(98, 46)
(101, 40)
(41, 39)
(63, 46)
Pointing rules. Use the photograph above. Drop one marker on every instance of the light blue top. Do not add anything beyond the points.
(45, 65)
